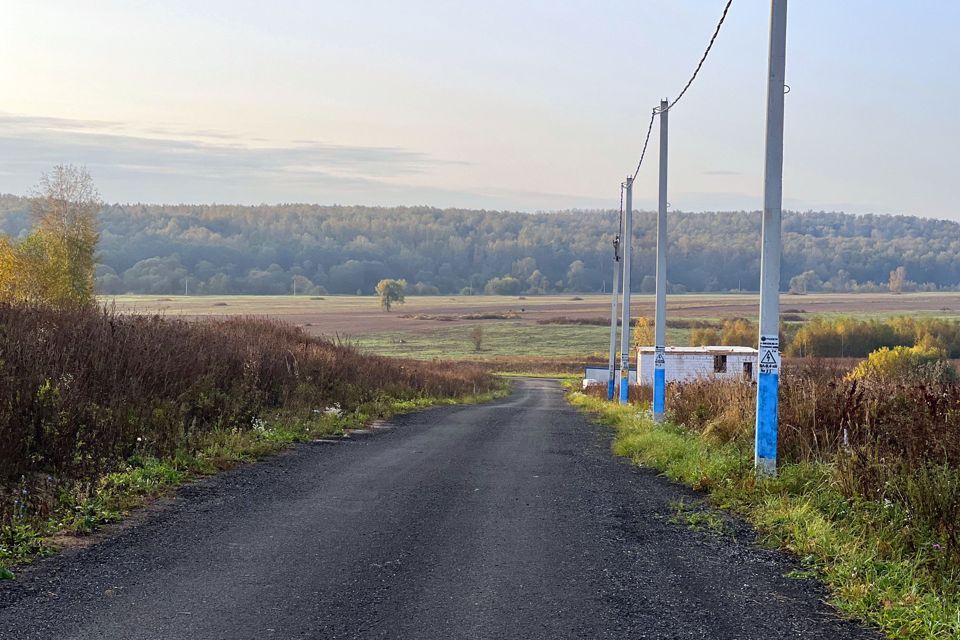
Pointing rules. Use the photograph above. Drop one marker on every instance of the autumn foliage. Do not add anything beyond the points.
(54, 264)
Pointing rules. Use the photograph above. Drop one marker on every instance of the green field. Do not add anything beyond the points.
(500, 338)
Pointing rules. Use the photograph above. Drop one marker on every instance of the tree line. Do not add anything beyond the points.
(312, 249)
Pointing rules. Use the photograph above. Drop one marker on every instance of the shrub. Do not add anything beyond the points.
(739, 332)
(505, 286)
(901, 364)
(704, 337)
(476, 337)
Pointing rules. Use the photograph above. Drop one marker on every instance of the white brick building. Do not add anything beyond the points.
(687, 363)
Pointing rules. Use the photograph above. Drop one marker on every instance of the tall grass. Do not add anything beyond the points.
(891, 441)
(868, 490)
(84, 391)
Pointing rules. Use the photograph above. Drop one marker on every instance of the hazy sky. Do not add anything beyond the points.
(494, 104)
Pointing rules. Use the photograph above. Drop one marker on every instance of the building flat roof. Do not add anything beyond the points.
(714, 350)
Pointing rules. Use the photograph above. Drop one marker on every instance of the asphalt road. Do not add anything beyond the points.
(505, 520)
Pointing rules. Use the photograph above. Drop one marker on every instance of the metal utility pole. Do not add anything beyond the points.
(660, 309)
(627, 244)
(612, 382)
(768, 380)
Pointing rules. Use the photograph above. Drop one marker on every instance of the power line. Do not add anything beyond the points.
(703, 58)
(693, 77)
(646, 141)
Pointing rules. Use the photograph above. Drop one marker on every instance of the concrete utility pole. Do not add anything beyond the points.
(660, 312)
(627, 243)
(612, 383)
(768, 380)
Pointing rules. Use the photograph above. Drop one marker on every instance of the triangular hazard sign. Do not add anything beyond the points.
(768, 358)
(659, 359)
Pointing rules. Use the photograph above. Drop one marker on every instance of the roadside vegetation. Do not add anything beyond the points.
(868, 491)
(101, 411)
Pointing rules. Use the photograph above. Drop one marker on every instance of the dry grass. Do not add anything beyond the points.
(82, 391)
(886, 441)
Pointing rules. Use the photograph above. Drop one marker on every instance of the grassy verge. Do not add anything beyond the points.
(145, 478)
(865, 551)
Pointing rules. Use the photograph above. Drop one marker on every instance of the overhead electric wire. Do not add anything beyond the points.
(627, 241)
(646, 141)
(703, 58)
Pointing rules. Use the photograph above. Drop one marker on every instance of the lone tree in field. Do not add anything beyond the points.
(54, 265)
(476, 336)
(391, 292)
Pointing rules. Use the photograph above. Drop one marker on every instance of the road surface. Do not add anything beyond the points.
(505, 520)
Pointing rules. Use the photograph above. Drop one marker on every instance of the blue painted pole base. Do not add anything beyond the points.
(611, 387)
(765, 449)
(625, 389)
(659, 392)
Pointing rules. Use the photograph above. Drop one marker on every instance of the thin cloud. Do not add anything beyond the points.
(169, 165)
(147, 162)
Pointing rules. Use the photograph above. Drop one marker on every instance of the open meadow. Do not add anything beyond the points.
(558, 326)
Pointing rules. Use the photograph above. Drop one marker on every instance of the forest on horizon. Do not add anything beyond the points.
(270, 249)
